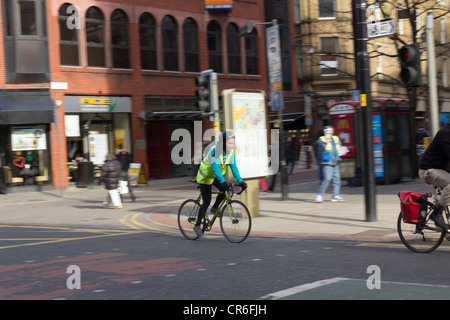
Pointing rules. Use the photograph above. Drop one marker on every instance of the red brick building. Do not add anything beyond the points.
(84, 76)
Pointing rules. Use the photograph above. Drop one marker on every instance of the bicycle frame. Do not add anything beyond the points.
(229, 194)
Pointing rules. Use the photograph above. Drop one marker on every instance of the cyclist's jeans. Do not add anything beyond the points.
(439, 178)
(205, 190)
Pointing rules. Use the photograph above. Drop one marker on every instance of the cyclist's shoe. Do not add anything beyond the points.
(436, 216)
(198, 231)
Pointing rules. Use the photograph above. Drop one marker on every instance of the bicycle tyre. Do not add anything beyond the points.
(237, 223)
(427, 241)
(187, 217)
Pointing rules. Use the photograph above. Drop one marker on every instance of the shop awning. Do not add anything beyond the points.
(26, 107)
(288, 117)
(172, 115)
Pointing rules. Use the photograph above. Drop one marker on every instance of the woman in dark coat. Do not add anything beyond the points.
(111, 173)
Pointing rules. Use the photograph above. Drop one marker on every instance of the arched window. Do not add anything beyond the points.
(233, 49)
(190, 34)
(68, 18)
(170, 43)
(119, 39)
(215, 46)
(251, 53)
(147, 37)
(95, 37)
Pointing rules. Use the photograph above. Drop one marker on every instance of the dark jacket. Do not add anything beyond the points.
(125, 159)
(111, 173)
(437, 155)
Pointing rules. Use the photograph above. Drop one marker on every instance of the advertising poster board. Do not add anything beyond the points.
(98, 148)
(28, 138)
(248, 116)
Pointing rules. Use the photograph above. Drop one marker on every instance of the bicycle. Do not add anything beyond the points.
(423, 236)
(235, 219)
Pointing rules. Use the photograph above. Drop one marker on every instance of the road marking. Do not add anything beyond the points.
(98, 233)
(394, 245)
(301, 288)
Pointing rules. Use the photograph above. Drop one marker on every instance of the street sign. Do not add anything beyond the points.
(378, 29)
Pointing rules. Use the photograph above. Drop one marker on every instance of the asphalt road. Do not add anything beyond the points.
(49, 263)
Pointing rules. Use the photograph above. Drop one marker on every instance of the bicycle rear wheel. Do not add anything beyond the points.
(420, 239)
(235, 221)
(187, 216)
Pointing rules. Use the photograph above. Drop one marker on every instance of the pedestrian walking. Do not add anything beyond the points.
(125, 159)
(3, 189)
(330, 149)
(111, 173)
(290, 157)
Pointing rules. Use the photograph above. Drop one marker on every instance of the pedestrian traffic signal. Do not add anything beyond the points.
(410, 73)
(207, 91)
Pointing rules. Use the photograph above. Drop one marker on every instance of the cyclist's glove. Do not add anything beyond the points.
(243, 185)
(225, 186)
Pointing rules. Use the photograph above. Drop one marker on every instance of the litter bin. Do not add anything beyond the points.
(85, 174)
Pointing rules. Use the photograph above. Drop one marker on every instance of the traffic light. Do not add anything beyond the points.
(410, 74)
(206, 94)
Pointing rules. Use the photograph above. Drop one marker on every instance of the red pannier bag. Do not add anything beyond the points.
(409, 206)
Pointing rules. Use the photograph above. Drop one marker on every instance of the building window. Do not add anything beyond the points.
(68, 36)
(170, 43)
(95, 38)
(251, 52)
(328, 59)
(234, 49)
(147, 36)
(327, 9)
(190, 34)
(215, 46)
(27, 18)
(119, 39)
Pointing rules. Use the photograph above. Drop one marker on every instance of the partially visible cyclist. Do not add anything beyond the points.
(212, 171)
(433, 170)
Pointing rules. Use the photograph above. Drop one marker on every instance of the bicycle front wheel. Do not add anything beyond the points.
(187, 216)
(235, 221)
(420, 239)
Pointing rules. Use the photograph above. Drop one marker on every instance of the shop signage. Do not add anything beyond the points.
(99, 104)
(218, 4)
(96, 104)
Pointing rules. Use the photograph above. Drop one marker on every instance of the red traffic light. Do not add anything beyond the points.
(408, 54)
(409, 57)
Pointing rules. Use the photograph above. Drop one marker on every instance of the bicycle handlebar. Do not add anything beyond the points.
(232, 185)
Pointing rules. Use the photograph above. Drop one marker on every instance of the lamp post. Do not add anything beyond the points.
(275, 88)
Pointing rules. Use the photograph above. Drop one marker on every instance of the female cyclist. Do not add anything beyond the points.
(212, 171)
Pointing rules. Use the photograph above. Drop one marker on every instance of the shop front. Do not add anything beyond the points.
(94, 126)
(25, 117)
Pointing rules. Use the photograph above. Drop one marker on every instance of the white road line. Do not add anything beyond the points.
(301, 288)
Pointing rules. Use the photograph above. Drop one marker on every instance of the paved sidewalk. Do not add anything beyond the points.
(298, 216)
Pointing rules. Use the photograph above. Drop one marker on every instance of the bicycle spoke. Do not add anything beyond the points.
(235, 221)
(419, 239)
(187, 217)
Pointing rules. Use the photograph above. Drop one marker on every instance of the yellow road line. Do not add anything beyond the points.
(98, 234)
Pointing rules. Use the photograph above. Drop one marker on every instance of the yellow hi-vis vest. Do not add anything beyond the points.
(205, 174)
(326, 156)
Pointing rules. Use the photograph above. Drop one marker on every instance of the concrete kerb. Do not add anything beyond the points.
(299, 216)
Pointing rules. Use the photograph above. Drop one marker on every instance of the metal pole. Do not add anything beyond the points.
(284, 181)
(432, 87)
(363, 82)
